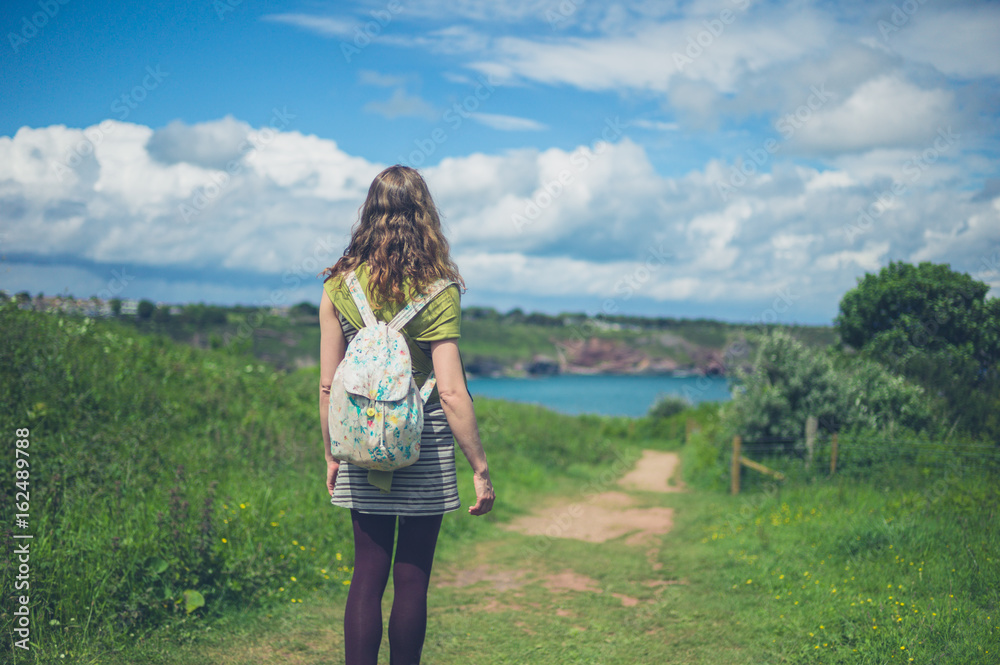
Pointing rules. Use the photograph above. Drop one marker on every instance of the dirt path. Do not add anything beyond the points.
(594, 517)
(590, 566)
(599, 517)
(655, 472)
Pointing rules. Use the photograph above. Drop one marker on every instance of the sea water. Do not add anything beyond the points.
(606, 394)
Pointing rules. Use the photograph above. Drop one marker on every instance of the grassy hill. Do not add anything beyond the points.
(178, 508)
(492, 342)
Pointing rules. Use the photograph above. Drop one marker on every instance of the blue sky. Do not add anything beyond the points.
(730, 159)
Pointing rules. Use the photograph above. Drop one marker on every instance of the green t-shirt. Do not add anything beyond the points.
(441, 318)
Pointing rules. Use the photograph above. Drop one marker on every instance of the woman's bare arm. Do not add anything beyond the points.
(332, 347)
(457, 405)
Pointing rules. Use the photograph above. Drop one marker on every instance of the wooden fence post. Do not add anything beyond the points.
(833, 454)
(735, 483)
(812, 424)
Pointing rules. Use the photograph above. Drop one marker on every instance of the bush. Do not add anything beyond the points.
(702, 461)
(876, 399)
(790, 382)
(668, 405)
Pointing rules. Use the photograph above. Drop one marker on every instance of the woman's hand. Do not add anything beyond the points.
(484, 494)
(332, 466)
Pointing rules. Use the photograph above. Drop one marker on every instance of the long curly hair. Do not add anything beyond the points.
(398, 233)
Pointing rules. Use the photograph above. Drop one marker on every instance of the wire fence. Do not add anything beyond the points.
(885, 459)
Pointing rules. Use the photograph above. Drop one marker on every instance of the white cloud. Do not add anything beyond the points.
(718, 61)
(980, 234)
(209, 144)
(958, 40)
(655, 125)
(597, 220)
(885, 112)
(326, 26)
(508, 123)
(451, 40)
(511, 11)
(868, 259)
(651, 56)
(716, 230)
(402, 105)
(119, 204)
(369, 77)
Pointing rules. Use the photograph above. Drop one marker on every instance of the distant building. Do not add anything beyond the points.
(70, 306)
(91, 308)
(130, 307)
(605, 325)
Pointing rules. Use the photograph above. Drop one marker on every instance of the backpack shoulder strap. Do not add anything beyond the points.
(358, 294)
(413, 307)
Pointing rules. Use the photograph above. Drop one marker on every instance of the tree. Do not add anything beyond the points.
(145, 309)
(540, 319)
(928, 306)
(480, 313)
(162, 314)
(515, 315)
(116, 306)
(934, 325)
(305, 309)
(202, 315)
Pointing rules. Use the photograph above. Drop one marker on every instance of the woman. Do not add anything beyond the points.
(396, 249)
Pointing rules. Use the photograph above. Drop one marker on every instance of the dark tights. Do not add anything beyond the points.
(411, 572)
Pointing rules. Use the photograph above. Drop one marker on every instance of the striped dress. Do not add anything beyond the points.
(429, 486)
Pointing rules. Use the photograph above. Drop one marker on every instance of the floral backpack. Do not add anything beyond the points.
(376, 409)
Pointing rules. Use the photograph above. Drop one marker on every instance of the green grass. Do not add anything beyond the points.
(834, 571)
(840, 571)
(157, 469)
(121, 531)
